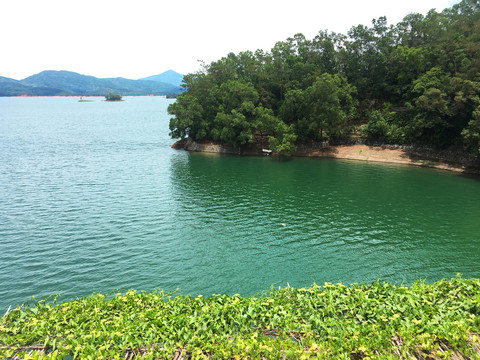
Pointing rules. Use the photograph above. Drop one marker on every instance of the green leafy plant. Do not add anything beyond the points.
(380, 320)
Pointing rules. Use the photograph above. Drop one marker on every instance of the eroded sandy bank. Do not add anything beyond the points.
(385, 154)
(392, 154)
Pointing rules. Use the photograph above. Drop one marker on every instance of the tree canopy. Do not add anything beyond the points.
(414, 82)
(113, 97)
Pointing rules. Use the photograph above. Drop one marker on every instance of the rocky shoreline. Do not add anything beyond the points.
(452, 160)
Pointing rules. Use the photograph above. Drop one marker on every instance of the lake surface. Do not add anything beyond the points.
(93, 199)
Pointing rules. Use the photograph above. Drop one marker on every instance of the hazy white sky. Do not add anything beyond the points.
(139, 38)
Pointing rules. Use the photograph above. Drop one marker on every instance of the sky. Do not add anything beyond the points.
(140, 38)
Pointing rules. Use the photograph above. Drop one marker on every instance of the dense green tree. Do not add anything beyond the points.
(382, 126)
(233, 123)
(331, 105)
(284, 139)
(296, 109)
(322, 110)
(364, 56)
(415, 82)
(324, 53)
(188, 117)
(471, 134)
(113, 97)
(405, 65)
(443, 107)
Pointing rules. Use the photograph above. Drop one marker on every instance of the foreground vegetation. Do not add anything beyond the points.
(383, 320)
(416, 82)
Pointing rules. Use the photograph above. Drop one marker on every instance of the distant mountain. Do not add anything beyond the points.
(5, 79)
(169, 77)
(12, 87)
(17, 89)
(48, 83)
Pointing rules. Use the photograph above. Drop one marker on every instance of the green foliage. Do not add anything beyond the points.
(321, 110)
(382, 125)
(427, 67)
(406, 65)
(444, 106)
(233, 123)
(113, 97)
(332, 105)
(471, 134)
(284, 140)
(189, 116)
(333, 321)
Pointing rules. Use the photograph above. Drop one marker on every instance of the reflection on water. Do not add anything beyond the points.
(345, 221)
(92, 198)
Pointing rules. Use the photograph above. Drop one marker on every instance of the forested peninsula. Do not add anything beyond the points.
(416, 83)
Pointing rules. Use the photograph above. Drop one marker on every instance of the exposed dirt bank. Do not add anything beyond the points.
(386, 154)
(410, 155)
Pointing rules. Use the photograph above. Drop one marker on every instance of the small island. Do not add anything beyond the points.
(113, 97)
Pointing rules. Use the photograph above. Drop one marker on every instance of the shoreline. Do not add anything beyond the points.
(389, 154)
(384, 154)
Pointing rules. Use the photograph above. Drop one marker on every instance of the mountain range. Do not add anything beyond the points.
(54, 83)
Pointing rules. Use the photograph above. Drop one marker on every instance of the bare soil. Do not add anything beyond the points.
(383, 154)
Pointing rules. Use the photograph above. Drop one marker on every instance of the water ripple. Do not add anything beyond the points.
(92, 199)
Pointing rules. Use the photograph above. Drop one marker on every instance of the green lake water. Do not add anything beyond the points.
(93, 199)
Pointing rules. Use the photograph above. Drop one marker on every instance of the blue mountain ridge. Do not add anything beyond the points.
(52, 82)
(169, 77)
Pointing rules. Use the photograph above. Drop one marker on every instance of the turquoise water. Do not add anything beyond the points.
(93, 199)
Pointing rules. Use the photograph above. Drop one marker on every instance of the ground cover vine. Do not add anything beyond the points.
(379, 320)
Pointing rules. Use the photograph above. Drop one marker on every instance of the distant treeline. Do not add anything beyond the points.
(415, 82)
